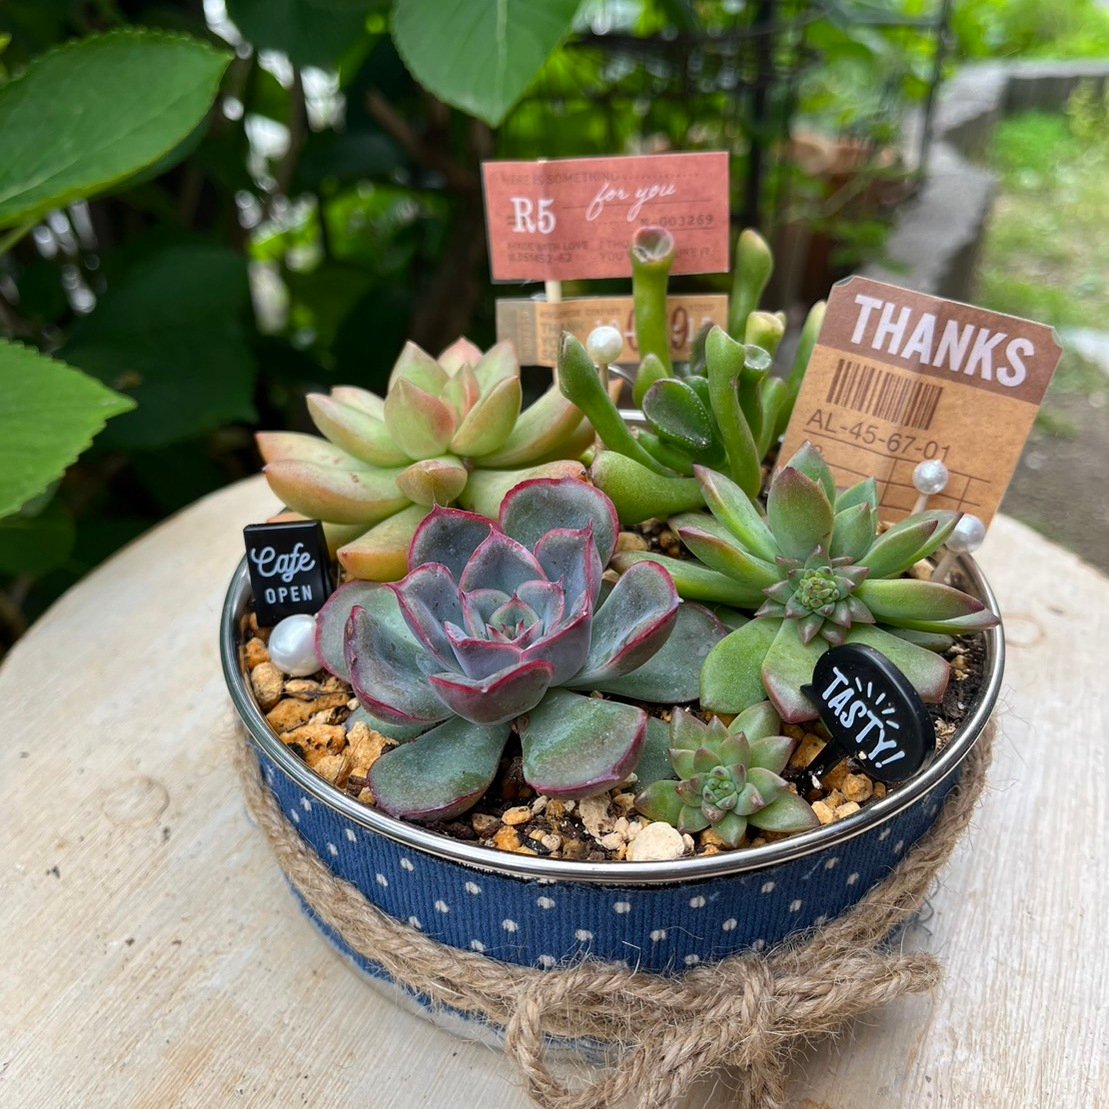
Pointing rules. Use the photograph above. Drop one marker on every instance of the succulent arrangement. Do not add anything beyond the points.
(449, 430)
(510, 625)
(818, 572)
(723, 409)
(728, 777)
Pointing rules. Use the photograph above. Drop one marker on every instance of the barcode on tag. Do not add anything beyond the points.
(896, 397)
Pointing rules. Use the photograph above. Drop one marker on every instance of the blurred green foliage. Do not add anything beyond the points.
(329, 207)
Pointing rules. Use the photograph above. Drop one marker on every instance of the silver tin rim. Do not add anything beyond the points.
(609, 873)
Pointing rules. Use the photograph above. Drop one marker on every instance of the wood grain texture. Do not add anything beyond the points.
(153, 957)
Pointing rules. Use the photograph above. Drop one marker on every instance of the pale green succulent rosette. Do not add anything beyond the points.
(448, 431)
(818, 574)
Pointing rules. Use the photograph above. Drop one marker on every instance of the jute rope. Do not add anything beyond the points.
(749, 1011)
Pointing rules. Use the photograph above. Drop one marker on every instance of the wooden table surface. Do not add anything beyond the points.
(152, 955)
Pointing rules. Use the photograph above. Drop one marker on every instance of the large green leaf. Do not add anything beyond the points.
(479, 55)
(49, 413)
(93, 112)
(308, 32)
(171, 331)
(36, 543)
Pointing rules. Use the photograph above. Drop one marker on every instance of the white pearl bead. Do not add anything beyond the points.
(292, 646)
(969, 534)
(930, 477)
(604, 344)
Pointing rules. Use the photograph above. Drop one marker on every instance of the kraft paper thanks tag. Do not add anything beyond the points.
(534, 326)
(898, 377)
(574, 217)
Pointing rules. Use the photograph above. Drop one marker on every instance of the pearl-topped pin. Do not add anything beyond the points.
(967, 537)
(604, 346)
(292, 646)
(929, 478)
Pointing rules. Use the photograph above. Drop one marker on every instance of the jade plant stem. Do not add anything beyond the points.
(652, 254)
(753, 266)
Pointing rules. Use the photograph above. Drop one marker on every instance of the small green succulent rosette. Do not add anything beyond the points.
(818, 573)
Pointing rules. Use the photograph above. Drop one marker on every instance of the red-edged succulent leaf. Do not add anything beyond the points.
(721, 552)
(487, 425)
(481, 658)
(894, 551)
(439, 775)
(415, 365)
(449, 536)
(731, 678)
(331, 621)
(566, 648)
(497, 698)
(381, 554)
(924, 606)
(672, 674)
(928, 672)
(577, 746)
(341, 496)
(693, 581)
(460, 353)
(500, 563)
(788, 665)
(631, 623)
(569, 556)
(433, 481)
(533, 508)
(660, 801)
(357, 432)
(737, 512)
(799, 513)
(809, 461)
(486, 490)
(384, 664)
(420, 423)
(546, 428)
(428, 599)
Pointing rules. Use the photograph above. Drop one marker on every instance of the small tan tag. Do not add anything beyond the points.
(534, 326)
(898, 377)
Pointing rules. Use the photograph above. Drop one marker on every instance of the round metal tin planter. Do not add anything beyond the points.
(658, 916)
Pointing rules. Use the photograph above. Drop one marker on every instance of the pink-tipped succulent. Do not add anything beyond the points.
(728, 778)
(448, 431)
(819, 574)
(509, 625)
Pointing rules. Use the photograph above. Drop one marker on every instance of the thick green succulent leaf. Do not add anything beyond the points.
(479, 55)
(677, 414)
(543, 428)
(421, 424)
(933, 641)
(672, 674)
(331, 621)
(439, 775)
(97, 110)
(433, 481)
(357, 432)
(660, 801)
(695, 582)
(498, 364)
(773, 397)
(692, 820)
(725, 360)
(640, 493)
(460, 353)
(731, 829)
(771, 753)
(487, 489)
(630, 625)
(759, 721)
(737, 512)
(853, 532)
(928, 672)
(799, 513)
(418, 368)
(296, 446)
(865, 492)
(449, 536)
(650, 370)
(355, 397)
(788, 666)
(903, 545)
(576, 746)
(754, 264)
(381, 553)
(497, 698)
(925, 606)
(764, 329)
(718, 549)
(809, 461)
(580, 383)
(462, 391)
(49, 415)
(731, 677)
(538, 506)
(654, 757)
(487, 425)
(398, 732)
(788, 814)
(342, 496)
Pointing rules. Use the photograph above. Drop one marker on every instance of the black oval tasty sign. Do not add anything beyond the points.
(872, 712)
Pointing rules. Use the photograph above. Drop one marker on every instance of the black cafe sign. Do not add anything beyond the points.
(872, 712)
(290, 570)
